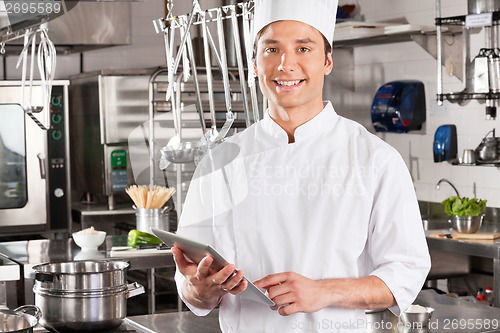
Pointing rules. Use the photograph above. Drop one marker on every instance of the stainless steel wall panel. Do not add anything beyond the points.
(107, 106)
(124, 105)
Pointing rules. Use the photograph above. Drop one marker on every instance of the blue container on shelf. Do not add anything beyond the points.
(445, 143)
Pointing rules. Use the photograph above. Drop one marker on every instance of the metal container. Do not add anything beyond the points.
(477, 79)
(483, 6)
(494, 71)
(148, 218)
(19, 320)
(417, 320)
(467, 224)
(83, 296)
(469, 156)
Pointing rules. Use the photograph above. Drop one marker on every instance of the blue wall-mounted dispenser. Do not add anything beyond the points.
(399, 106)
(445, 143)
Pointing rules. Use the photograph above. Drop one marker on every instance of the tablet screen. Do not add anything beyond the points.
(196, 251)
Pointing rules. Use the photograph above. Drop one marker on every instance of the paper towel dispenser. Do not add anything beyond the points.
(444, 147)
(399, 106)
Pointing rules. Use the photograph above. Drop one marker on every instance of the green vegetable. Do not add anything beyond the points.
(139, 238)
(457, 206)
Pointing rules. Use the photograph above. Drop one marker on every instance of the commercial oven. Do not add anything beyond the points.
(34, 170)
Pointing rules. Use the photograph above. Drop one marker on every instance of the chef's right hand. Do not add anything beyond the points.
(205, 287)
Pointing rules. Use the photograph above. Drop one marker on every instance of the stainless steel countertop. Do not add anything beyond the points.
(33, 252)
(450, 315)
(179, 322)
(474, 247)
(9, 270)
(449, 312)
(480, 248)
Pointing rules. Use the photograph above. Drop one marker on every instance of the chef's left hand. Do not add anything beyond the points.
(292, 292)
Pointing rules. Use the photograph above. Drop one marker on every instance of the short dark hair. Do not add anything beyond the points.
(328, 45)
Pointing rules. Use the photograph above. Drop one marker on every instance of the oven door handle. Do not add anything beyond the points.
(41, 162)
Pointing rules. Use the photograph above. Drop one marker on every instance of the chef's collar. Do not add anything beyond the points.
(313, 127)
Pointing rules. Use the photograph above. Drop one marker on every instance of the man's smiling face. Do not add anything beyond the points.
(290, 63)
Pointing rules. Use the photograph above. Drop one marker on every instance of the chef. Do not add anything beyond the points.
(308, 204)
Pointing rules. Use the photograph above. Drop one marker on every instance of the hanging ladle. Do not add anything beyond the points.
(199, 104)
(214, 137)
(239, 60)
(222, 62)
(212, 133)
(177, 151)
(173, 68)
(225, 78)
(249, 50)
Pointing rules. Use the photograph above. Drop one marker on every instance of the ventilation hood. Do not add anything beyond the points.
(86, 26)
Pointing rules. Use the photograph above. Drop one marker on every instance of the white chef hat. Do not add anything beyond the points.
(320, 14)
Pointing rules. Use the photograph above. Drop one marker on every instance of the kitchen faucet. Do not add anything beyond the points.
(447, 181)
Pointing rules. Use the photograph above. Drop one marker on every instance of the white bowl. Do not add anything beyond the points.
(416, 320)
(89, 241)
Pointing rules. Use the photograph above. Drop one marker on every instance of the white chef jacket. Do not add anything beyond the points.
(337, 203)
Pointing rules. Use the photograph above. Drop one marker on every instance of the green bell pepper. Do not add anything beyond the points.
(138, 238)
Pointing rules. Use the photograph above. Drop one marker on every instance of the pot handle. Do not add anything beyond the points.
(27, 308)
(43, 277)
(134, 289)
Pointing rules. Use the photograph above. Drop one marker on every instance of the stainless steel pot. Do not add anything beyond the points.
(19, 320)
(83, 296)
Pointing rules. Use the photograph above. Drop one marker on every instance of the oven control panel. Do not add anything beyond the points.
(58, 172)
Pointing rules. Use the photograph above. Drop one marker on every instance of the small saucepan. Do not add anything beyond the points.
(19, 320)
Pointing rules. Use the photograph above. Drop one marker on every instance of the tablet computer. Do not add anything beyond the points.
(196, 251)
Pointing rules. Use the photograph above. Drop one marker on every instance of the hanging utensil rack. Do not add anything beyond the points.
(10, 34)
(46, 61)
(195, 91)
(244, 49)
(243, 9)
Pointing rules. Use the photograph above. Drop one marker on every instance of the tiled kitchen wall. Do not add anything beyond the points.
(357, 75)
(374, 65)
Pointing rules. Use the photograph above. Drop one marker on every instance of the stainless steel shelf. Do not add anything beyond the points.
(352, 34)
(460, 20)
(452, 23)
(458, 97)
